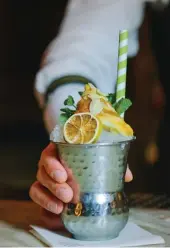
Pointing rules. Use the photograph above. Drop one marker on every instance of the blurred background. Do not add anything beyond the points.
(26, 28)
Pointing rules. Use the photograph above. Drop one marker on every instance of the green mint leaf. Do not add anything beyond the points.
(111, 98)
(122, 105)
(80, 93)
(67, 111)
(69, 101)
(114, 105)
(63, 118)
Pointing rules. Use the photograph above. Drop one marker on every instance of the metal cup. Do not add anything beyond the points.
(99, 210)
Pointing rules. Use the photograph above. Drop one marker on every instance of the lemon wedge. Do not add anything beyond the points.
(111, 122)
(82, 128)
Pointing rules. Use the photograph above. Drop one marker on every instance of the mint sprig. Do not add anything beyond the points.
(122, 105)
(67, 112)
(80, 93)
(63, 118)
(111, 98)
(69, 101)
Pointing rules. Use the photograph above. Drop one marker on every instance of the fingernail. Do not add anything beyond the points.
(59, 175)
(52, 208)
(129, 176)
(64, 194)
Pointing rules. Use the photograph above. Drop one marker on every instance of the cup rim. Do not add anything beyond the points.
(96, 144)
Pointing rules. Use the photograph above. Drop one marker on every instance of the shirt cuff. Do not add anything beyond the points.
(56, 102)
(72, 79)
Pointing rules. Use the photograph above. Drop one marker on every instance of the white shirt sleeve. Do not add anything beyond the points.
(87, 45)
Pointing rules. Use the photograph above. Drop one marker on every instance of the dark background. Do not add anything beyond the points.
(26, 28)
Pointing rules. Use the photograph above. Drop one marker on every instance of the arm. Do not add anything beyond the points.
(87, 45)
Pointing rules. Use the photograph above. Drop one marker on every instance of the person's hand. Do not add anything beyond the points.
(50, 190)
(55, 186)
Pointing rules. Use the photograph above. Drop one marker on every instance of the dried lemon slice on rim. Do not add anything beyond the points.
(82, 128)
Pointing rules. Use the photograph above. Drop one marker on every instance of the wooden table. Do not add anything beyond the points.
(16, 216)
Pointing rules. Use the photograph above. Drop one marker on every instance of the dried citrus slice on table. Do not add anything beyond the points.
(82, 128)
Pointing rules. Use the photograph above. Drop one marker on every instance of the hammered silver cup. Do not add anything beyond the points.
(99, 210)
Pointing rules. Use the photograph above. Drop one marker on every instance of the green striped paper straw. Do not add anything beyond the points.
(122, 65)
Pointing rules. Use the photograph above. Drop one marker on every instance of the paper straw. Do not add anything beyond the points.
(122, 65)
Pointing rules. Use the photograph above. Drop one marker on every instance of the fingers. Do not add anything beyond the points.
(62, 191)
(45, 199)
(128, 175)
(72, 183)
(52, 165)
